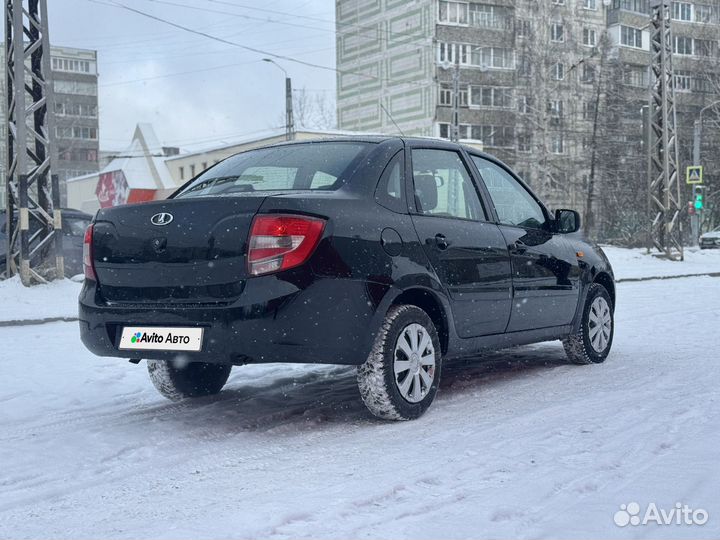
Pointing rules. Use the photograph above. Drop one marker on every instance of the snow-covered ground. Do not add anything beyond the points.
(636, 263)
(518, 443)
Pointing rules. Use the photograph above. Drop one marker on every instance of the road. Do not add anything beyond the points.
(518, 443)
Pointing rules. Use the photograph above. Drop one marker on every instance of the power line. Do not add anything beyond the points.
(245, 47)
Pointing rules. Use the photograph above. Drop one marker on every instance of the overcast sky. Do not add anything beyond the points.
(195, 91)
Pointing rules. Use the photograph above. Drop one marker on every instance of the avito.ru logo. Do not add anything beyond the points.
(680, 514)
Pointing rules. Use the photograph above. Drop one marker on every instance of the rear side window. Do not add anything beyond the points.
(390, 191)
(443, 186)
(311, 166)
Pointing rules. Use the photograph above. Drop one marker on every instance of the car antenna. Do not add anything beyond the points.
(391, 119)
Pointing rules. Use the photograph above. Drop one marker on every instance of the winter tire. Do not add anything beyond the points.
(400, 378)
(592, 342)
(195, 379)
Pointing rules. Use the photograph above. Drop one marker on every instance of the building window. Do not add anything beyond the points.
(557, 32)
(559, 71)
(589, 37)
(524, 104)
(446, 96)
(638, 6)
(75, 109)
(492, 57)
(192, 170)
(182, 173)
(75, 87)
(523, 28)
(682, 11)
(524, 142)
(704, 14)
(631, 37)
(488, 16)
(587, 75)
(683, 45)
(75, 132)
(704, 47)
(453, 12)
(490, 96)
(557, 144)
(636, 76)
(498, 136)
(72, 66)
(590, 4)
(588, 110)
(683, 81)
(556, 107)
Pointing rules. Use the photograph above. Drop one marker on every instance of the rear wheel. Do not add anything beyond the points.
(194, 379)
(400, 378)
(591, 343)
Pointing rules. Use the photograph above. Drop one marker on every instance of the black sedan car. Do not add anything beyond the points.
(392, 254)
(74, 224)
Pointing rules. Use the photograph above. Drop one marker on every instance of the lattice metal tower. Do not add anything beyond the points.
(663, 176)
(33, 211)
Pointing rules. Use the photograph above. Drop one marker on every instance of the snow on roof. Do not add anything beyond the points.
(140, 162)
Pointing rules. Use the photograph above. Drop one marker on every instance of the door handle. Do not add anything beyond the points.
(441, 242)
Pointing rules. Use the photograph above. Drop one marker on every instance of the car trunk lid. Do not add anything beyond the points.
(177, 251)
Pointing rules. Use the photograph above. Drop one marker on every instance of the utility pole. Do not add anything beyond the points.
(663, 177)
(455, 124)
(32, 192)
(289, 120)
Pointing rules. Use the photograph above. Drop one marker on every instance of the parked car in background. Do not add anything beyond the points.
(74, 224)
(392, 254)
(710, 239)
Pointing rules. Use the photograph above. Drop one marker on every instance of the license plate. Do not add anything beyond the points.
(161, 338)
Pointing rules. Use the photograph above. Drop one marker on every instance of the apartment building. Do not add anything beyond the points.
(75, 85)
(556, 88)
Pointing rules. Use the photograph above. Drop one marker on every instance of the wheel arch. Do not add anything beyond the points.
(604, 279)
(430, 304)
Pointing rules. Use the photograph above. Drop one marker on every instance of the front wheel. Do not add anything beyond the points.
(194, 379)
(400, 378)
(591, 343)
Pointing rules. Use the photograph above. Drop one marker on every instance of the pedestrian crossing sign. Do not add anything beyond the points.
(694, 174)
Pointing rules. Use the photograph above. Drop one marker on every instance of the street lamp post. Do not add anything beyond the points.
(289, 122)
(697, 132)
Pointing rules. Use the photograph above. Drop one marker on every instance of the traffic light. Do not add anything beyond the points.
(698, 196)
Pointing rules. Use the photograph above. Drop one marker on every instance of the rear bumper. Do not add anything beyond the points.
(322, 320)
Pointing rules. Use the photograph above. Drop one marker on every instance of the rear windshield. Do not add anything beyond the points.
(315, 166)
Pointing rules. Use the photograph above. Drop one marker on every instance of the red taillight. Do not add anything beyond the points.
(88, 265)
(279, 242)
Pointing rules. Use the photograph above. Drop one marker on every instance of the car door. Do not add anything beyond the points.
(545, 270)
(467, 251)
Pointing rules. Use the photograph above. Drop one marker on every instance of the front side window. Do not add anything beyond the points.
(310, 166)
(513, 203)
(443, 187)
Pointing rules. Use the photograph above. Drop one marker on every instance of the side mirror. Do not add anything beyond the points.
(567, 221)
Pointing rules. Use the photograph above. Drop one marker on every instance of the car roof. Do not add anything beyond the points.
(377, 139)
